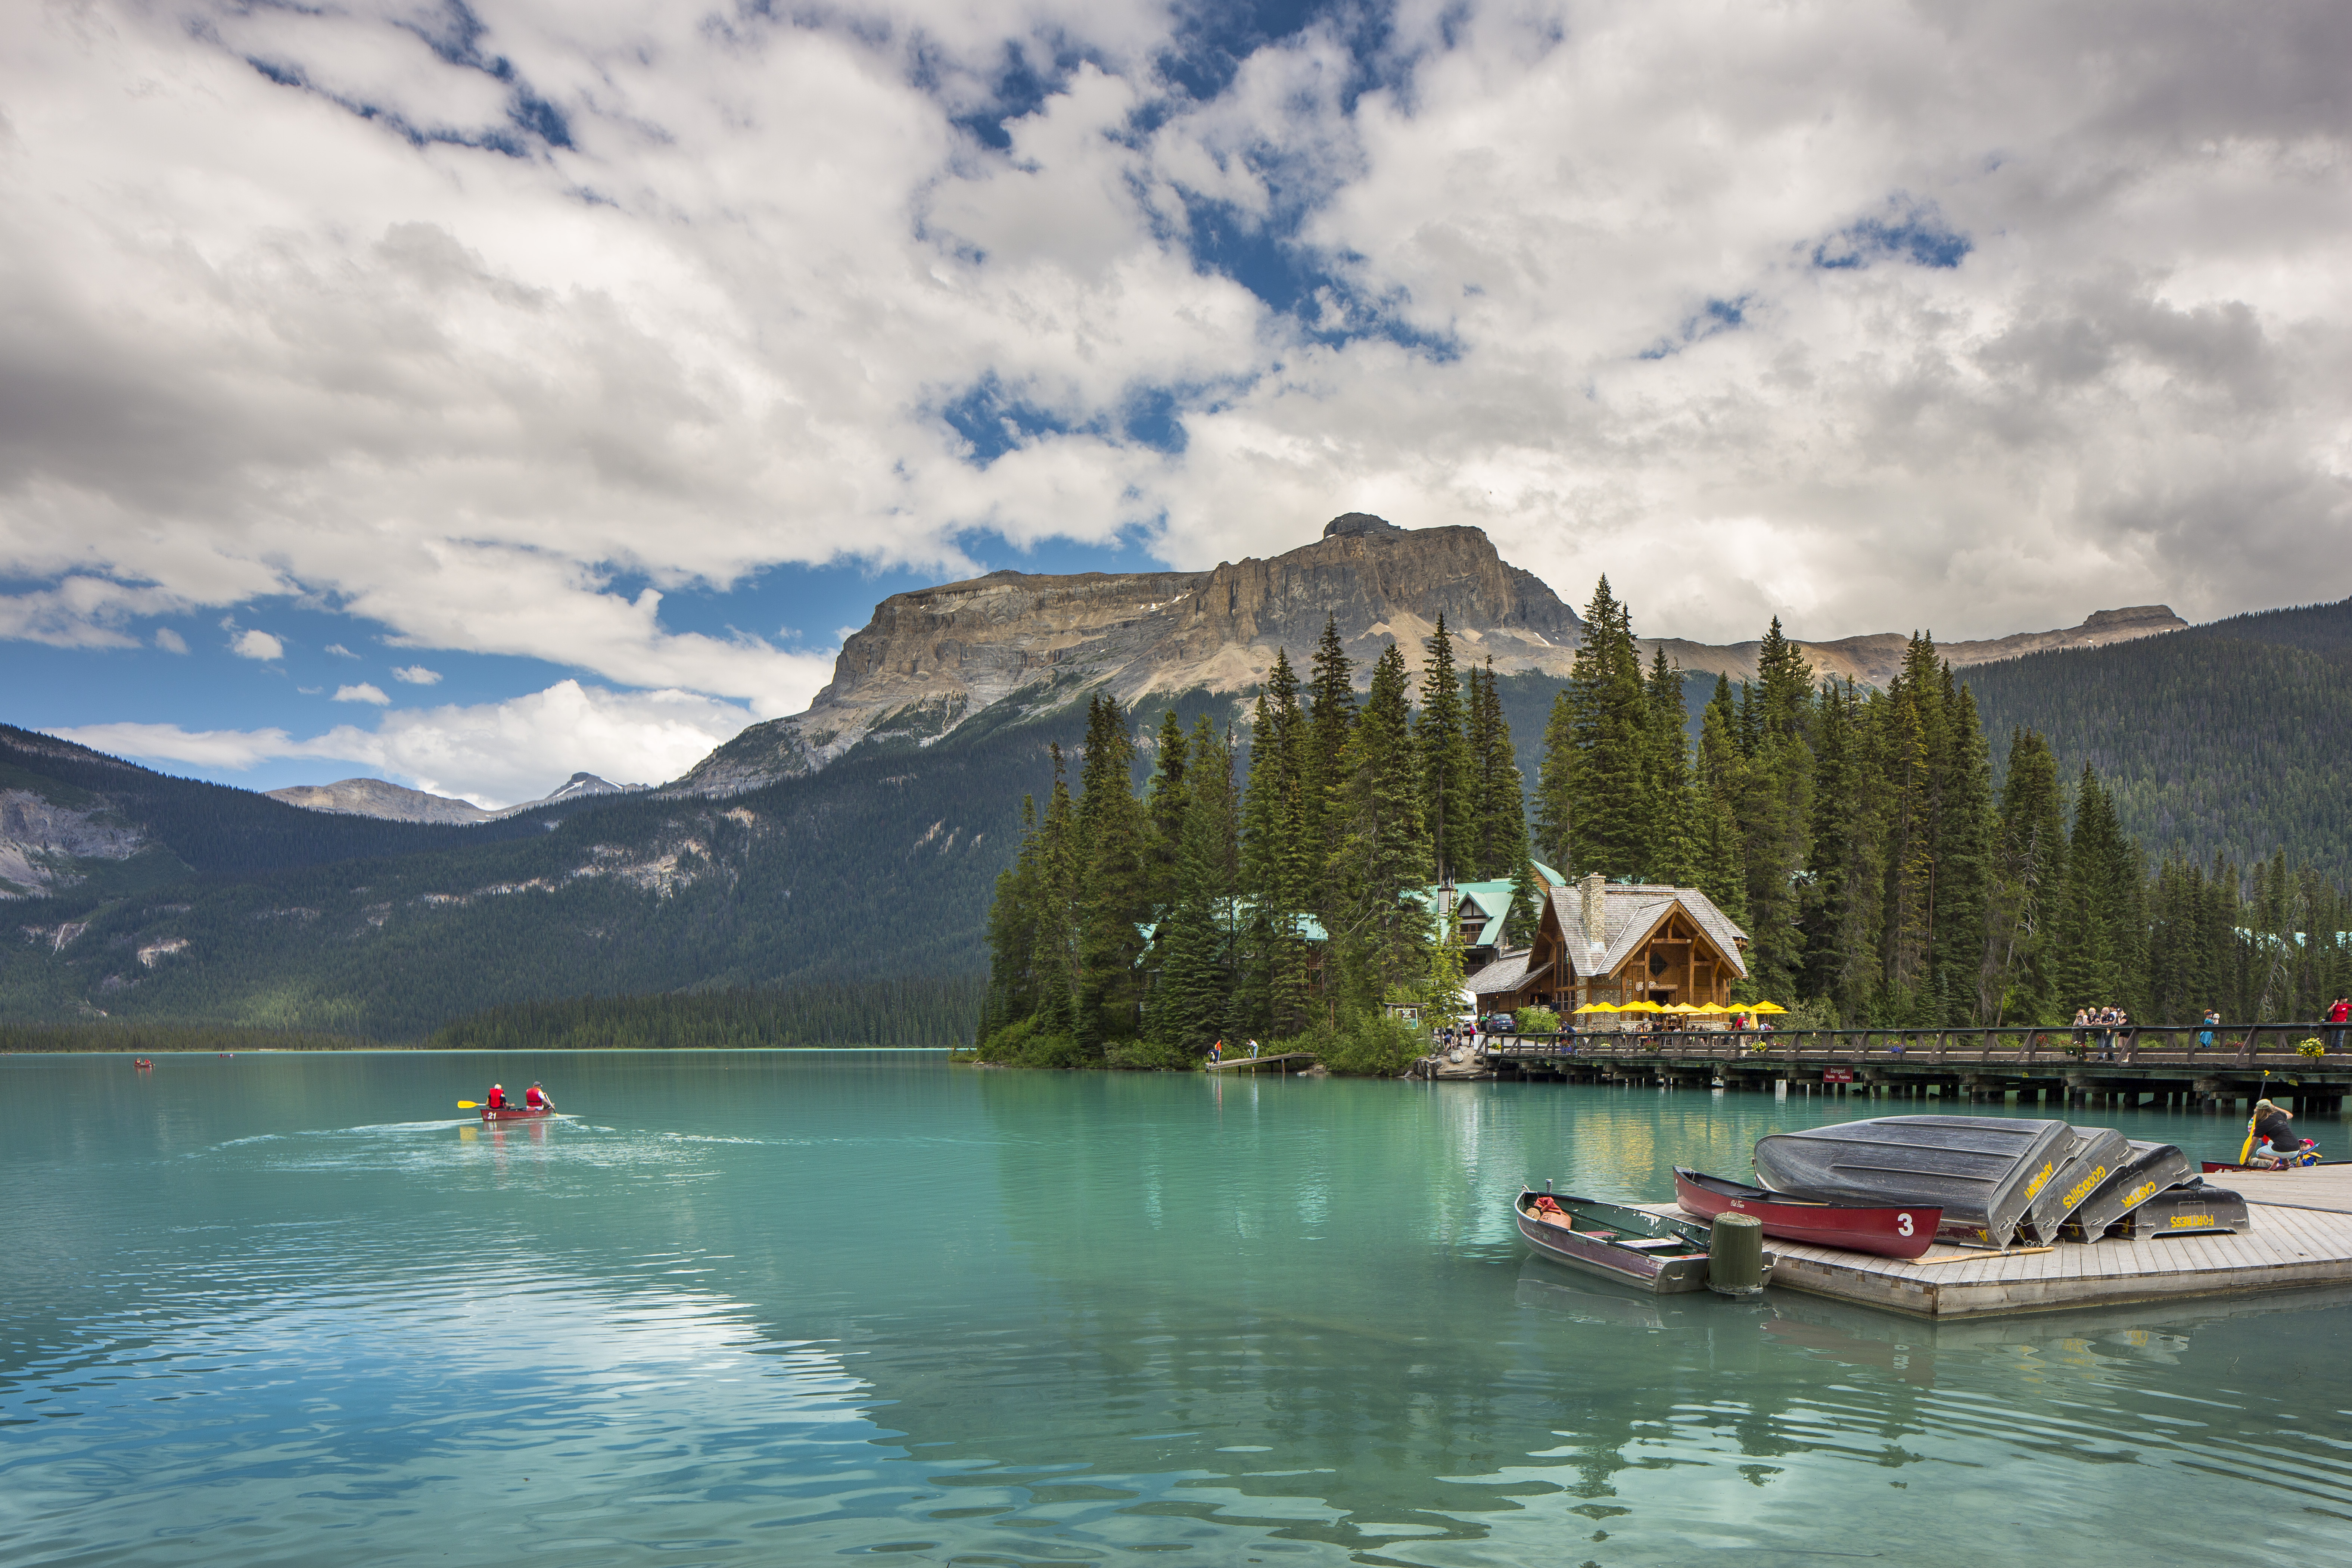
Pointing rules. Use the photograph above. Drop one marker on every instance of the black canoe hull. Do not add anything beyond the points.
(1983, 1172)
(2147, 1169)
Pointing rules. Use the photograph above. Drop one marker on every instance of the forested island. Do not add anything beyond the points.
(1883, 870)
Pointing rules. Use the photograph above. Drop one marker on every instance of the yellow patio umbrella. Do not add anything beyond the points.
(1677, 1007)
(1641, 1007)
(1767, 1008)
(1597, 1007)
(1711, 1008)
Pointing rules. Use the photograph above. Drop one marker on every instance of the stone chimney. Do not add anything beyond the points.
(1596, 918)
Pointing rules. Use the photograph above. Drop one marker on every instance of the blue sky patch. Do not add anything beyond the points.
(1917, 234)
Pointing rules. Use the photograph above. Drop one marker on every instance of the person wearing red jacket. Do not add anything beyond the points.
(535, 1099)
(498, 1098)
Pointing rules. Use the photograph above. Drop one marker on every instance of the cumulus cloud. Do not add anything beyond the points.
(1867, 319)
(417, 674)
(363, 692)
(492, 753)
(254, 643)
(339, 651)
(170, 641)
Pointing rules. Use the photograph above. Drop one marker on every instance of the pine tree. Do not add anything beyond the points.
(1718, 787)
(1775, 809)
(1278, 876)
(1968, 984)
(1113, 852)
(1331, 725)
(1060, 973)
(1673, 832)
(1556, 787)
(1193, 1003)
(1843, 867)
(2029, 889)
(1445, 776)
(1609, 789)
(1166, 807)
(1381, 936)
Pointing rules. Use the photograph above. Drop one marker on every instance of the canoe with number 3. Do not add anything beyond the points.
(1890, 1232)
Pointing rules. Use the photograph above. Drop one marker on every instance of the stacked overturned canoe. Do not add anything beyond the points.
(1997, 1179)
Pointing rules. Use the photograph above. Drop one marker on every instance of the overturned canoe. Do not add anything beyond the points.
(1890, 1232)
(2096, 1154)
(2146, 1169)
(1983, 1172)
(2191, 1210)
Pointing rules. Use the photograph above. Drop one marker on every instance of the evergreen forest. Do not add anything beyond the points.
(1888, 867)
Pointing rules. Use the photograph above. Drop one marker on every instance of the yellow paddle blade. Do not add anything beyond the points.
(470, 1105)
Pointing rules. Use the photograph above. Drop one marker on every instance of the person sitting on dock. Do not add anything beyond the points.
(2276, 1140)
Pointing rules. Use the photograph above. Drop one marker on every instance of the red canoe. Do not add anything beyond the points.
(1889, 1232)
(517, 1113)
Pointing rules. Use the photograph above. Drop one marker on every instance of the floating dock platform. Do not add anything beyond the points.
(2299, 1234)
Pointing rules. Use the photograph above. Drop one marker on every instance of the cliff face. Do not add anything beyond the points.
(933, 659)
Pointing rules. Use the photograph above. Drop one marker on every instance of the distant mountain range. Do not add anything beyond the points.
(375, 797)
(862, 839)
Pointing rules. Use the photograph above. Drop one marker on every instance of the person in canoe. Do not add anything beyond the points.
(497, 1099)
(535, 1099)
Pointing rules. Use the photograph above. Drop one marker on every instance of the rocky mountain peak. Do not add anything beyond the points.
(932, 659)
(1359, 525)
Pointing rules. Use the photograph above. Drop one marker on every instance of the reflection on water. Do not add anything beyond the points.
(766, 1309)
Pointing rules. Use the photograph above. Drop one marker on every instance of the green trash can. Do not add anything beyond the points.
(1735, 1255)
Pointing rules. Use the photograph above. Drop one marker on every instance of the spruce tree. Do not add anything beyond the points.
(1381, 936)
(2029, 889)
(1278, 875)
(1166, 807)
(1193, 1003)
(1556, 787)
(1609, 789)
(1672, 833)
(1439, 733)
(1113, 852)
(1846, 853)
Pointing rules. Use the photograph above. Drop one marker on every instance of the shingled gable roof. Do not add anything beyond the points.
(1629, 914)
(1506, 973)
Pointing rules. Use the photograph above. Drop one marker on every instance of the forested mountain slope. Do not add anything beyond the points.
(2230, 738)
(882, 865)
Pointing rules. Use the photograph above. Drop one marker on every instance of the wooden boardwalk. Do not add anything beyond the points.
(1230, 1063)
(2284, 1248)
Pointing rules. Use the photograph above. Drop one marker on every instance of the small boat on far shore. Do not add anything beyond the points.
(1888, 1231)
(1655, 1252)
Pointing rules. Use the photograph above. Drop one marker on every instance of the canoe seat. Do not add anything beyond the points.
(1661, 1241)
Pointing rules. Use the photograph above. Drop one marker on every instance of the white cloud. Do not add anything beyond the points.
(482, 399)
(339, 651)
(492, 753)
(363, 692)
(170, 641)
(254, 643)
(417, 675)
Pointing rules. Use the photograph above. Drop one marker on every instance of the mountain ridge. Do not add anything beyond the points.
(1015, 644)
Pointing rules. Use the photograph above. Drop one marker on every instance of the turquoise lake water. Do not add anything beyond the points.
(788, 1307)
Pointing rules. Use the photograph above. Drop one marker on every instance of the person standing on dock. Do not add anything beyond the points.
(2339, 1015)
(2205, 1035)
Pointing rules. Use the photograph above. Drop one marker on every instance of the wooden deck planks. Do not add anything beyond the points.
(2283, 1248)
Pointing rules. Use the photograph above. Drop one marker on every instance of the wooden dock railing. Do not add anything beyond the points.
(2169, 1044)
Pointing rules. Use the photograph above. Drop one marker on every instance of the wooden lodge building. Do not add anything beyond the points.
(1617, 943)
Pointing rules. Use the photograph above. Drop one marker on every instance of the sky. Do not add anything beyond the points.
(468, 393)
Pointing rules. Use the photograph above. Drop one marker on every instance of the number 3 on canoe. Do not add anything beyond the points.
(1903, 1225)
